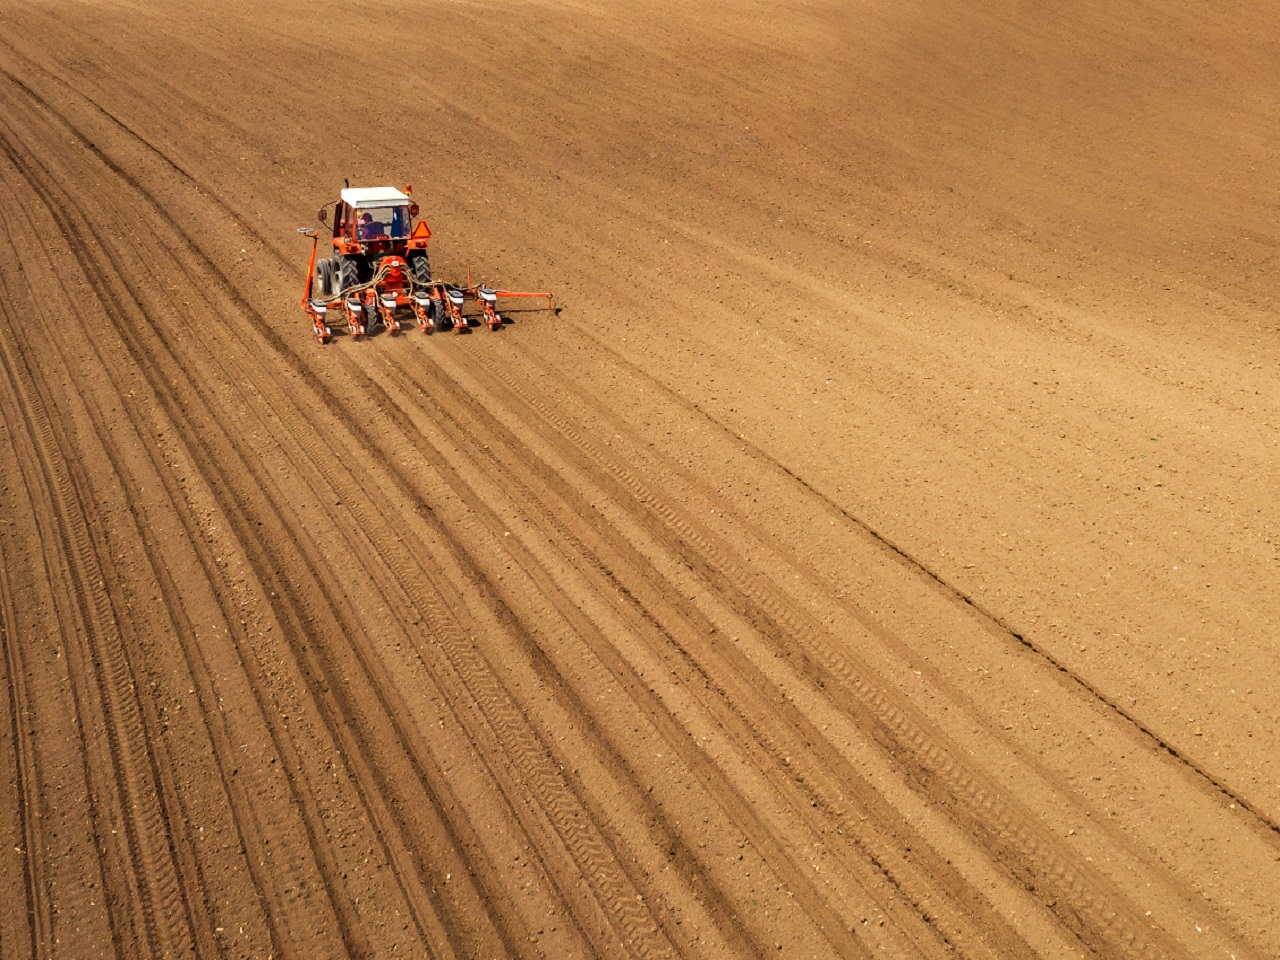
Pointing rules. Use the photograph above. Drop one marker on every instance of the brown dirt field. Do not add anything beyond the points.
(876, 556)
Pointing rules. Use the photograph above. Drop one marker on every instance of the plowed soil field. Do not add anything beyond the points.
(877, 553)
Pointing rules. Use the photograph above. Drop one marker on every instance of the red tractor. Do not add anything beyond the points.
(380, 267)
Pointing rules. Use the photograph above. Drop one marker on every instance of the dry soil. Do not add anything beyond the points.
(876, 554)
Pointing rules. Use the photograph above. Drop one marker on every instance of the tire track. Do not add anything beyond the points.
(241, 303)
(81, 864)
(634, 935)
(35, 907)
(243, 818)
(470, 666)
(154, 912)
(923, 756)
(1089, 689)
(823, 784)
(770, 612)
(753, 604)
(107, 297)
(642, 622)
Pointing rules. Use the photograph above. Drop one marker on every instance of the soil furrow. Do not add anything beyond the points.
(869, 556)
(1090, 689)
(901, 734)
(635, 933)
(27, 920)
(243, 820)
(628, 571)
(482, 449)
(320, 671)
(140, 875)
(764, 603)
(108, 296)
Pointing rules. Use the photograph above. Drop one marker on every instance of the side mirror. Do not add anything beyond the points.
(413, 209)
(323, 215)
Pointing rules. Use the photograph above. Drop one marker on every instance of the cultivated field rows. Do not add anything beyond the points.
(861, 562)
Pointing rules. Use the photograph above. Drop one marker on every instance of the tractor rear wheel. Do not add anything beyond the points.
(421, 270)
(349, 274)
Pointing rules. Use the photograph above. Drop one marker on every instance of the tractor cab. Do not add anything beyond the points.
(374, 219)
(382, 223)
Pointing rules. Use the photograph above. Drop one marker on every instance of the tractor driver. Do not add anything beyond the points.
(368, 228)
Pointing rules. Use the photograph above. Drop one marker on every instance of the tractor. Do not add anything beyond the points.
(380, 267)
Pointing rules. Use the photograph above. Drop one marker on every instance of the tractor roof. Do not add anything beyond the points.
(373, 197)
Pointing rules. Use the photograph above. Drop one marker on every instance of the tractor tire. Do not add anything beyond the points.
(322, 286)
(421, 270)
(349, 274)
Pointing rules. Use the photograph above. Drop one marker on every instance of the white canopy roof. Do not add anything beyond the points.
(373, 197)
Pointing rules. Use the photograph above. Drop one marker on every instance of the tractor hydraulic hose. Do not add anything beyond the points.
(377, 279)
(359, 287)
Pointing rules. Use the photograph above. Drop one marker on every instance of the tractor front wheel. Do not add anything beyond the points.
(322, 285)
